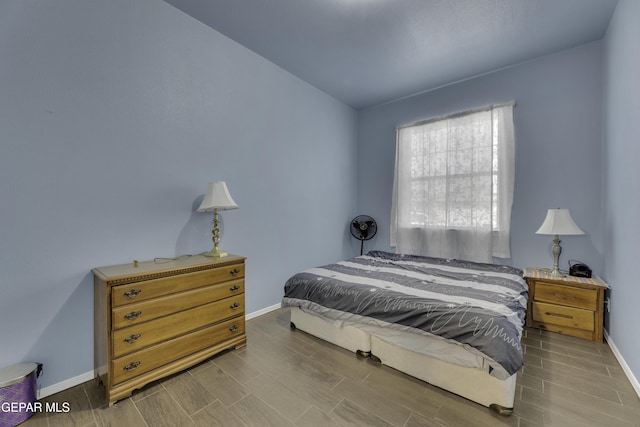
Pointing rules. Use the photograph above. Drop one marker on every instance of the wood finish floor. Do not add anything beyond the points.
(288, 378)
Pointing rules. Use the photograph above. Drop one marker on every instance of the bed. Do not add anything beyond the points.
(454, 324)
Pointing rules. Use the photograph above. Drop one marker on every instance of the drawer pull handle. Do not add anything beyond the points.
(133, 315)
(132, 338)
(564, 296)
(234, 272)
(566, 316)
(131, 366)
(234, 288)
(234, 328)
(234, 306)
(131, 294)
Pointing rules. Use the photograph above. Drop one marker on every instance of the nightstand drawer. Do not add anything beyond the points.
(563, 316)
(565, 295)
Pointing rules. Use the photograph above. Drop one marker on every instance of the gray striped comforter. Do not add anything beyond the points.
(479, 306)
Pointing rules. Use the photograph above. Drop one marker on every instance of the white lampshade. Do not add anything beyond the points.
(559, 221)
(217, 197)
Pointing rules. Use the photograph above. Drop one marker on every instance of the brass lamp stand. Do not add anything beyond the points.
(216, 238)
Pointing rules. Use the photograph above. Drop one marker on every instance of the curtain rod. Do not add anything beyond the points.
(458, 114)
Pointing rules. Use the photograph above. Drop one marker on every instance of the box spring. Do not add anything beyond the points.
(473, 383)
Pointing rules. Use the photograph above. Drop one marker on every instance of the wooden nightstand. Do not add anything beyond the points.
(568, 305)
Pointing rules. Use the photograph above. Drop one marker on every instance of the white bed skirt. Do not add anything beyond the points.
(348, 337)
(473, 383)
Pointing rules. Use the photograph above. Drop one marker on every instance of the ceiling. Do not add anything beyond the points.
(366, 52)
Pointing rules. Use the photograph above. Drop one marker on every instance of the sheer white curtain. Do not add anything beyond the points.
(453, 186)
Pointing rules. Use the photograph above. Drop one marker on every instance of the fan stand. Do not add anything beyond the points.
(361, 246)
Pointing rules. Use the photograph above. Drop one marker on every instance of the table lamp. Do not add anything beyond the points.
(557, 222)
(216, 198)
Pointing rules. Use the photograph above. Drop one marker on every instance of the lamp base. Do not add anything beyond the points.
(216, 253)
(556, 274)
(557, 250)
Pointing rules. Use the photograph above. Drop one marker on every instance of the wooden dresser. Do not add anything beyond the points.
(567, 305)
(153, 319)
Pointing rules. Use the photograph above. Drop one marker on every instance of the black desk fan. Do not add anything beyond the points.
(363, 227)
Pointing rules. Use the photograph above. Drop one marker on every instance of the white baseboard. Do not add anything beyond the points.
(87, 376)
(627, 370)
(262, 311)
(63, 385)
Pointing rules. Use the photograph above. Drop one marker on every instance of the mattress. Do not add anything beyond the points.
(479, 308)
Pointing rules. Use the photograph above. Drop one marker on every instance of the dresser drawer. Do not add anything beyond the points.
(132, 314)
(563, 316)
(136, 337)
(130, 366)
(565, 295)
(148, 289)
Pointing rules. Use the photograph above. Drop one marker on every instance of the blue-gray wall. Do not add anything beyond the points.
(621, 202)
(558, 125)
(114, 115)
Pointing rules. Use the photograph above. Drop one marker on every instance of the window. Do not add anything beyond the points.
(453, 185)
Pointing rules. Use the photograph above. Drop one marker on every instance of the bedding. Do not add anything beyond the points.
(480, 307)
